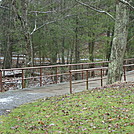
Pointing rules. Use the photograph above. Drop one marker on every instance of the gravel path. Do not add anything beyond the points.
(12, 99)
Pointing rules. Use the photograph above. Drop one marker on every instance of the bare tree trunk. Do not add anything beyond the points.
(77, 53)
(68, 53)
(115, 70)
(28, 40)
(71, 52)
(63, 50)
(7, 63)
(63, 58)
(109, 43)
(91, 55)
(17, 62)
(22, 15)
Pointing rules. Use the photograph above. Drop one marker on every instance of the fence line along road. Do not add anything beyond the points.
(101, 69)
(56, 72)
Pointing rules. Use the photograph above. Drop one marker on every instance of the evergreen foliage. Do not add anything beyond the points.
(61, 31)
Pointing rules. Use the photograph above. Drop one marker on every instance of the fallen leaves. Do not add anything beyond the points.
(107, 110)
(112, 119)
(15, 127)
(41, 122)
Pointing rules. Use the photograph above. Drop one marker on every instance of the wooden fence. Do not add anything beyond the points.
(54, 72)
(87, 79)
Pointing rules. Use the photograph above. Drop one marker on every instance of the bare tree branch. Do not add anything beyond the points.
(130, 39)
(4, 7)
(35, 25)
(47, 23)
(127, 3)
(42, 12)
(97, 10)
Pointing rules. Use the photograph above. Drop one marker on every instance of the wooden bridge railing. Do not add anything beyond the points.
(101, 69)
(43, 71)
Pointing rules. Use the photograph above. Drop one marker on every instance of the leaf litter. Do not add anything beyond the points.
(102, 110)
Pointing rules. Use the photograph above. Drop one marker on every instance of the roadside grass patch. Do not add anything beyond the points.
(104, 110)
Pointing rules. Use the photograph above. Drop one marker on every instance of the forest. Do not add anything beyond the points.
(46, 32)
(38, 35)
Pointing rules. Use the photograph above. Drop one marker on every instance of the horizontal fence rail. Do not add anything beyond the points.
(54, 73)
(101, 69)
(87, 76)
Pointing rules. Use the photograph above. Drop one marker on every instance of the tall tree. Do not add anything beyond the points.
(115, 69)
(119, 42)
(21, 11)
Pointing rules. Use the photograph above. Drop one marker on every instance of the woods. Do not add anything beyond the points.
(60, 31)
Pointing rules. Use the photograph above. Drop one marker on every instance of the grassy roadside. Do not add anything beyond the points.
(107, 110)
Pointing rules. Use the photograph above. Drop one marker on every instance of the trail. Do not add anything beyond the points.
(14, 98)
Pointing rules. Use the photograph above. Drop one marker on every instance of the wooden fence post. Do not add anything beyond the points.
(101, 77)
(40, 77)
(1, 85)
(56, 75)
(87, 79)
(124, 68)
(70, 79)
(23, 83)
(82, 73)
(103, 70)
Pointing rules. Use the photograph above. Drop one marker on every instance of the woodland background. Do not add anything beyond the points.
(40, 32)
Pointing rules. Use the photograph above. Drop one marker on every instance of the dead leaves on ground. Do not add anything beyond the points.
(106, 110)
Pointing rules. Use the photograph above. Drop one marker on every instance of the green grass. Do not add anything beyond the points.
(100, 111)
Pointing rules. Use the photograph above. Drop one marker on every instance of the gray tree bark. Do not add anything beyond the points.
(115, 69)
(21, 12)
(26, 30)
